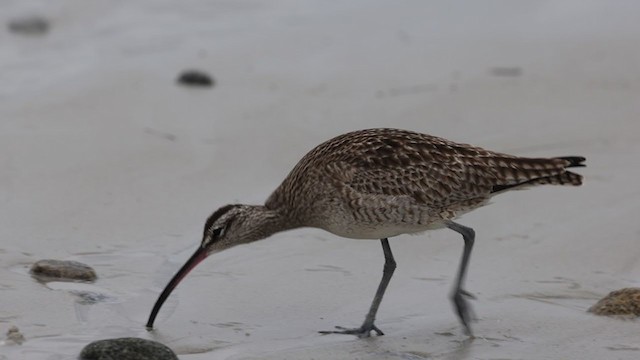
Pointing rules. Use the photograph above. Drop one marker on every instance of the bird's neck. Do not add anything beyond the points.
(266, 222)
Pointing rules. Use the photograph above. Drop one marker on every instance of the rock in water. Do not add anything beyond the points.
(30, 25)
(195, 78)
(62, 270)
(620, 302)
(127, 349)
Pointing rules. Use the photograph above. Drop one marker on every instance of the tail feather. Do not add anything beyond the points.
(574, 161)
(532, 175)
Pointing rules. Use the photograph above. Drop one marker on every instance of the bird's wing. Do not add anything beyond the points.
(437, 173)
(433, 178)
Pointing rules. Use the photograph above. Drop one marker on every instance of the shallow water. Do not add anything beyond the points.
(106, 161)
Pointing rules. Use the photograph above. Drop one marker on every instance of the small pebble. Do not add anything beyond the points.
(195, 78)
(90, 297)
(48, 269)
(127, 349)
(30, 25)
(14, 336)
(504, 71)
(620, 302)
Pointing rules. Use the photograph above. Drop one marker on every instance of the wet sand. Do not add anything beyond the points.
(106, 161)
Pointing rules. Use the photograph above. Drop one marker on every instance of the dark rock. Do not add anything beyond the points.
(620, 302)
(46, 270)
(127, 349)
(195, 78)
(30, 25)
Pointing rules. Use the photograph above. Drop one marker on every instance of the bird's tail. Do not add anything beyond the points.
(543, 171)
(574, 161)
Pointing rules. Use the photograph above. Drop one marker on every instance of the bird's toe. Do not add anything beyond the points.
(463, 308)
(361, 332)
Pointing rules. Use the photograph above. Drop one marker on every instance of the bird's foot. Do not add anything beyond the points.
(363, 331)
(463, 308)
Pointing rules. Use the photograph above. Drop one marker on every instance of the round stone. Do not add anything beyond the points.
(62, 269)
(620, 302)
(127, 349)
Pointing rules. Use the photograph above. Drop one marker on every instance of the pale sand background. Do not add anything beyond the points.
(105, 160)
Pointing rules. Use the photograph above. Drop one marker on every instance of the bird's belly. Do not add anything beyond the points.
(375, 220)
(378, 231)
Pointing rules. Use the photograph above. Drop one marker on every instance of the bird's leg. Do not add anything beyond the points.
(459, 295)
(367, 325)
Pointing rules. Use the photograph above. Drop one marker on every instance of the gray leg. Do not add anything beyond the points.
(459, 295)
(367, 325)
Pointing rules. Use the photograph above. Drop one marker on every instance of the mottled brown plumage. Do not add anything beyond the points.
(376, 184)
(402, 181)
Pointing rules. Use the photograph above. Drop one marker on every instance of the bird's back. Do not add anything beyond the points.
(402, 181)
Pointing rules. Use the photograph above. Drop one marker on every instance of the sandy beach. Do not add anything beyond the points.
(107, 161)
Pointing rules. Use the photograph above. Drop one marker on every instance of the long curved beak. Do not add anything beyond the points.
(194, 260)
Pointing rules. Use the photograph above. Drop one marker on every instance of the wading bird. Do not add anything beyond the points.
(376, 184)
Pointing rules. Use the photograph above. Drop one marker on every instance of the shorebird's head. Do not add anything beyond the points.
(233, 225)
(228, 226)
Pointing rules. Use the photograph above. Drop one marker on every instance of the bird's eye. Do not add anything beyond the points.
(217, 232)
